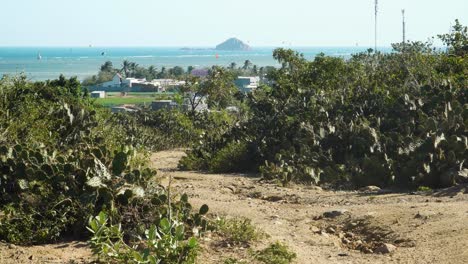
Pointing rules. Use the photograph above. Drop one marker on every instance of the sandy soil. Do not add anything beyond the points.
(70, 253)
(424, 227)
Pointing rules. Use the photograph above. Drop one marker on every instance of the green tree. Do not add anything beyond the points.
(107, 66)
(218, 89)
(126, 67)
(247, 65)
(177, 71)
(232, 66)
(152, 72)
(255, 69)
(457, 39)
(190, 69)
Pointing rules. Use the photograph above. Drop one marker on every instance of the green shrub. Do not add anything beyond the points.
(234, 261)
(424, 189)
(162, 243)
(275, 253)
(238, 230)
(234, 157)
(50, 195)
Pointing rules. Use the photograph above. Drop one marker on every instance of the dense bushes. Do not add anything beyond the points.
(63, 160)
(376, 119)
(155, 130)
(50, 195)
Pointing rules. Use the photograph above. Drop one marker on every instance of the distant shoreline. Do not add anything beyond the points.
(85, 61)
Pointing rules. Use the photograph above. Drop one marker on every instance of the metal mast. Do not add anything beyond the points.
(404, 26)
(376, 11)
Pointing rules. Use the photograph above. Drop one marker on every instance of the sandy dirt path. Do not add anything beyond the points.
(425, 227)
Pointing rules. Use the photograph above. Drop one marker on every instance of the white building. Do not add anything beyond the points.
(247, 84)
(194, 102)
(98, 94)
(116, 81)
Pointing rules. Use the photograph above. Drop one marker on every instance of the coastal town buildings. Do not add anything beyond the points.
(247, 84)
(120, 84)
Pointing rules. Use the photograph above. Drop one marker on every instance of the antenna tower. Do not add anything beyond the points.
(404, 26)
(376, 12)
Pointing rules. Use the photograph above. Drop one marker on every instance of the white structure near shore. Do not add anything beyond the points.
(118, 83)
(98, 94)
(247, 84)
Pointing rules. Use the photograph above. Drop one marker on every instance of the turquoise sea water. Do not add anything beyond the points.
(85, 61)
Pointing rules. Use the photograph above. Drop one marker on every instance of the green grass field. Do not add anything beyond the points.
(140, 94)
(114, 98)
(112, 101)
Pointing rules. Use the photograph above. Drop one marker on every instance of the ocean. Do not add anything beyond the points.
(86, 61)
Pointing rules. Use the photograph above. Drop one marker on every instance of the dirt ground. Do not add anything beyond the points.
(69, 253)
(320, 226)
(425, 228)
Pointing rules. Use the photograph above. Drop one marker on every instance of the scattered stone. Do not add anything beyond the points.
(366, 250)
(30, 257)
(422, 216)
(462, 177)
(385, 248)
(345, 241)
(335, 213)
(331, 230)
(231, 187)
(349, 235)
(315, 229)
(275, 217)
(343, 255)
(419, 216)
(318, 217)
(370, 214)
(11, 246)
(273, 198)
(324, 234)
(370, 189)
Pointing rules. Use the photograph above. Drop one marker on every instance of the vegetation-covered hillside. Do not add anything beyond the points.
(376, 119)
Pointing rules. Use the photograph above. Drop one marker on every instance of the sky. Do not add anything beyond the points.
(207, 23)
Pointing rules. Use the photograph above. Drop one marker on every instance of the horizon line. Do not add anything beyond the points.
(189, 47)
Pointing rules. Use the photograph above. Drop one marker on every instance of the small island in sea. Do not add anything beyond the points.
(233, 44)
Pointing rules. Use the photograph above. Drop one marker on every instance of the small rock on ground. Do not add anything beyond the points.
(385, 249)
(334, 213)
(370, 189)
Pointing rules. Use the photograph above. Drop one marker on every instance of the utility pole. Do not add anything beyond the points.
(376, 11)
(404, 26)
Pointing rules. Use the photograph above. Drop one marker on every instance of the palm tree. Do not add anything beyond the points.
(126, 67)
(153, 72)
(133, 68)
(247, 65)
(232, 66)
(162, 74)
(254, 69)
(107, 66)
(190, 69)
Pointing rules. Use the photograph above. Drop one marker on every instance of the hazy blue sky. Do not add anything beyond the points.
(208, 22)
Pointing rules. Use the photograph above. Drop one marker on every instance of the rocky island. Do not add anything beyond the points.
(233, 44)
